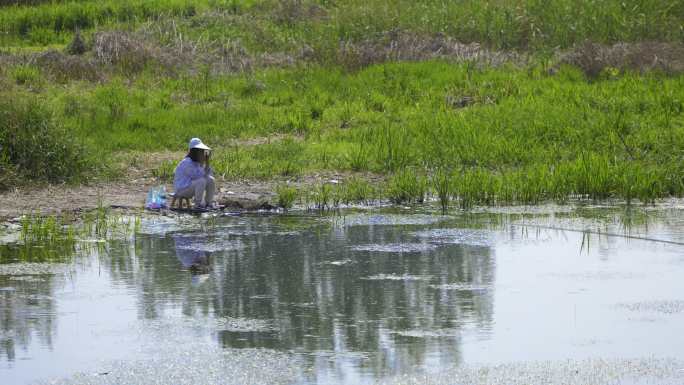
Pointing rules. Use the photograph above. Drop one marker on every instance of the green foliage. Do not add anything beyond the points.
(357, 190)
(505, 134)
(407, 186)
(286, 26)
(286, 196)
(322, 196)
(441, 183)
(36, 229)
(165, 171)
(27, 75)
(72, 15)
(35, 144)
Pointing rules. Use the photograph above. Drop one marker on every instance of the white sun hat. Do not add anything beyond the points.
(197, 143)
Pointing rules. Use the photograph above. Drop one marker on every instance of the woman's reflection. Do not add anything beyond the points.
(191, 255)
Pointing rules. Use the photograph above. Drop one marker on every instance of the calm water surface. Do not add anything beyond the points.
(355, 297)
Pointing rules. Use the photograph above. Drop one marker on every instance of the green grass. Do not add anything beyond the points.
(271, 26)
(54, 22)
(461, 133)
(287, 195)
(531, 136)
(33, 144)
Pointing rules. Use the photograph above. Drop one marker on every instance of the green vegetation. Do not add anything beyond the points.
(33, 144)
(52, 238)
(286, 196)
(271, 25)
(286, 89)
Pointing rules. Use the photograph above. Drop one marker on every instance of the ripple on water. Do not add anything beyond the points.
(570, 372)
(340, 262)
(243, 325)
(470, 237)
(6, 334)
(395, 277)
(599, 275)
(210, 245)
(396, 247)
(390, 219)
(196, 364)
(161, 225)
(26, 268)
(418, 333)
(461, 287)
(656, 306)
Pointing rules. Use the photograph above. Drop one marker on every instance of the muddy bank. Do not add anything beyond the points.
(77, 199)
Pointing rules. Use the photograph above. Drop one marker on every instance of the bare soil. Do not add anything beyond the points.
(129, 194)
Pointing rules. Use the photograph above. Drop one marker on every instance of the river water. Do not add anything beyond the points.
(542, 294)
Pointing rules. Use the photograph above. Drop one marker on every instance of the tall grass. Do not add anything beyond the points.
(34, 145)
(72, 15)
(286, 196)
(407, 186)
(280, 25)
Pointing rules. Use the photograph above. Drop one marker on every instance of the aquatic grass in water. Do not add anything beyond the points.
(50, 238)
(441, 183)
(321, 196)
(357, 190)
(36, 229)
(407, 186)
(41, 239)
(286, 196)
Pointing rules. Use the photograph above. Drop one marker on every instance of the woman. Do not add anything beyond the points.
(193, 176)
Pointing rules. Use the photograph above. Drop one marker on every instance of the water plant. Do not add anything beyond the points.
(358, 190)
(407, 186)
(286, 196)
(441, 184)
(38, 229)
(321, 196)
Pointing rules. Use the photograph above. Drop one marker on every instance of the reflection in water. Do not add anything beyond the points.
(192, 257)
(376, 297)
(27, 312)
(321, 307)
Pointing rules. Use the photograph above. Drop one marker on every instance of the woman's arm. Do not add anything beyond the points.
(207, 169)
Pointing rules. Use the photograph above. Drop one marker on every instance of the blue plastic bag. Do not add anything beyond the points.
(156, 198)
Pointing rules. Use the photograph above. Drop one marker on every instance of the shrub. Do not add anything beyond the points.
(33, 145)
(77, 46)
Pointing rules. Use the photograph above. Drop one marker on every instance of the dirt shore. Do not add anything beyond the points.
(59, 199)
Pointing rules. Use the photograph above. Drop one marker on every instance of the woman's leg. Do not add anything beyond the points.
(210, 187)
(200, 188)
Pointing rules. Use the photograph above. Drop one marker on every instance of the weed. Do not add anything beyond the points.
(286, 196)
(441, 183)
(27, 75)
(407, 186)
(33, 141)
(321, 196)
(165, 171)
(357, 190)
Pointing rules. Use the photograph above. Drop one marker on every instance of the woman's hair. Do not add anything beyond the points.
(194, 154)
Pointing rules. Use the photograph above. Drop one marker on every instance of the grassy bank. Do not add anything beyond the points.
(340, 89)
(501, 135)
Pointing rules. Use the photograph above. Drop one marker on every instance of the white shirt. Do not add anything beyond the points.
(188, 171)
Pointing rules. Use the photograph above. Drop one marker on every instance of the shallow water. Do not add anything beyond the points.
(527, 295)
